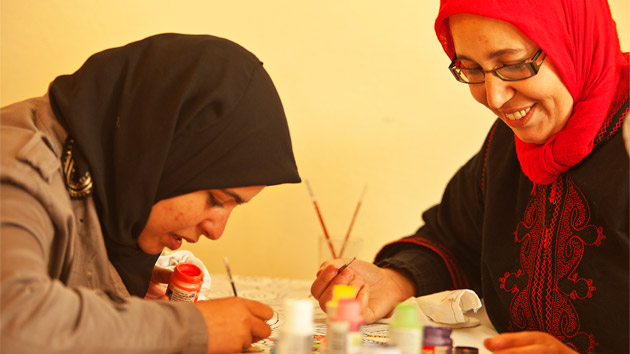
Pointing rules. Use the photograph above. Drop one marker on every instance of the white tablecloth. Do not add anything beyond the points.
(273, 291)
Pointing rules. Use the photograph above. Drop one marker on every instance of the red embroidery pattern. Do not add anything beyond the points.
(553, 235)
(618, 109)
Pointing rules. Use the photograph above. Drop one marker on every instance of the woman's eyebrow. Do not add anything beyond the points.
(494, 54)
(501, 52)
(237, 198)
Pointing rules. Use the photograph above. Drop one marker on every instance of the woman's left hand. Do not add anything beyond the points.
(526, 342)
(156, 290)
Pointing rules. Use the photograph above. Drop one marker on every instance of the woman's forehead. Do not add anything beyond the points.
(483, 34)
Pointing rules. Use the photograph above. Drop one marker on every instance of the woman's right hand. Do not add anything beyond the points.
(379, 289)
(234, 323)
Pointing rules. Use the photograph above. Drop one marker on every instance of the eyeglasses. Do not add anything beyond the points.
(514, 72)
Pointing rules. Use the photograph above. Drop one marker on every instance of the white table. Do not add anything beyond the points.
(273, 291)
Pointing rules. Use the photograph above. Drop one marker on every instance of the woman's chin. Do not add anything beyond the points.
(528, 137)
(151, 249)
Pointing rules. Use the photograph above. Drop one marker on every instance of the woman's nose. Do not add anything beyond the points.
(214, 225)
(497, 91)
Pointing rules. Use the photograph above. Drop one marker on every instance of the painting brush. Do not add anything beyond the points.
(227, 266)
(321, 220)
(346, 265)
(341, 269)
(354, 217)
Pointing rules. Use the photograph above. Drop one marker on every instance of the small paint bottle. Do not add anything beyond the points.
(437, 340)
(344, 331)
(185, 284)
(296, 334)
(339, 292)
(405, 329)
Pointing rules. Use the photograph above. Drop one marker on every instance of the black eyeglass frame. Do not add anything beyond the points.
(530, 64)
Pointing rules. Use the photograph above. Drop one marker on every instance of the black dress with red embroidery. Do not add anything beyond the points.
(550, 258)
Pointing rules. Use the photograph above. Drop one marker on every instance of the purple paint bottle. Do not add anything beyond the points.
(437, 340)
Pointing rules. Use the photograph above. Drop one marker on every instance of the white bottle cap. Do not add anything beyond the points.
(298, 316)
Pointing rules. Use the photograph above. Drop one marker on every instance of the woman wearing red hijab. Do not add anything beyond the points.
(537, 221)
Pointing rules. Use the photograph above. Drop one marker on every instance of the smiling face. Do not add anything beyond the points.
(190, 216)
(534, 108)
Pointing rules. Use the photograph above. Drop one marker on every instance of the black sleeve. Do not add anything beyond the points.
(423, 266)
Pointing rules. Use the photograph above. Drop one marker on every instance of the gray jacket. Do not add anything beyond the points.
(59, 292)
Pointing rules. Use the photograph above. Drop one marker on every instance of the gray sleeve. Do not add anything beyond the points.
(43, 315)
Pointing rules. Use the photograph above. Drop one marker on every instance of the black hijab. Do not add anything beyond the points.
(166, 116)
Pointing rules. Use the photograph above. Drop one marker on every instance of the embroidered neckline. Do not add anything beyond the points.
(79, 185)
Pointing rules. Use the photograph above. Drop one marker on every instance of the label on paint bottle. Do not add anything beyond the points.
(181, 295)
(408, 340)
(297, 331)
(436, 349)
(344, 331)
(341, 340)
(405, 329)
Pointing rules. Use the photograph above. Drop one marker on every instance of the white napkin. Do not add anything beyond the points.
(448, 307)
(171, 259)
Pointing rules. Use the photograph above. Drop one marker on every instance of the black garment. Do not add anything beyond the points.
(166, 116)
(552, 258)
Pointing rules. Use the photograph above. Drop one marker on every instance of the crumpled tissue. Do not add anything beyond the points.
(448, 307)
(171, 259)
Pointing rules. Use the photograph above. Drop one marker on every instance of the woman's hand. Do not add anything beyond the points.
(156, 290)
(526, 342)
(379, 289)
(234, 323)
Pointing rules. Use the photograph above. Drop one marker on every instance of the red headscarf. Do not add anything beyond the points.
(580, 37)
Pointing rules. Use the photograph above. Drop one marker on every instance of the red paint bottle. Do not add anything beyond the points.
(185, 283)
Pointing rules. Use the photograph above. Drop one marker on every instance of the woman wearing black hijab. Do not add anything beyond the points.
(144, 146)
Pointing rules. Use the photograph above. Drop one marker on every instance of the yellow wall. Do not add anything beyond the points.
(366, 91)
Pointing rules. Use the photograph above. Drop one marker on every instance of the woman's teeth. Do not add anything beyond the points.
(517, 115)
